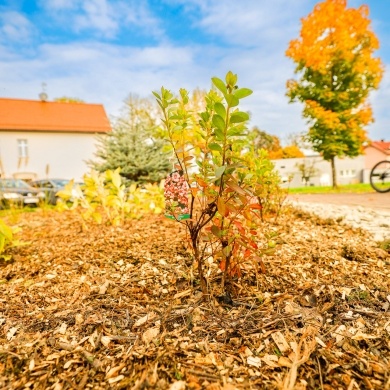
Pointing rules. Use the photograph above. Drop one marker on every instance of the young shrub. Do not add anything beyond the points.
(7, 239)
(105, 199)
(225, 186)
(148, 199)
(265, 184)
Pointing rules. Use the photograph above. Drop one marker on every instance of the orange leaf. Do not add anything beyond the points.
(221, 207)
(201, 182)
(222, 265)
(194, 191)
(236, 188)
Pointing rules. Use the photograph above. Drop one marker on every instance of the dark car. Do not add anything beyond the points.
(17, 192)
(50, 187)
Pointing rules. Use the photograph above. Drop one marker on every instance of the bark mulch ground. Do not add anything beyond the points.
(120, 308)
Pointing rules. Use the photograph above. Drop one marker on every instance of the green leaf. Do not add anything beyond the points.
(205, 116)
(97, 217)
(220, 110)
(219, 171)
(231, 100)
(166, 94)
(219, 135)
(5, 231)
(238, 117)
(227, 250)
(216, 230)
(231, 79)
(160, 104)
(214, 146)
(157, 95)
(184, 95)
(236, 131)
(218, 122)
(242, 93)
(219, 84)
(2, 244)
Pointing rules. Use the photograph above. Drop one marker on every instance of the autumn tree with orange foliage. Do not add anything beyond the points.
(271, 143)
(336, 70)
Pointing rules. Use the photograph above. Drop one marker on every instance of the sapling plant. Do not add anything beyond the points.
(212, 156)
(7, 239)
(105, 199)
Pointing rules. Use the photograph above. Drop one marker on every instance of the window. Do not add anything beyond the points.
(22, 148)
(348, 173)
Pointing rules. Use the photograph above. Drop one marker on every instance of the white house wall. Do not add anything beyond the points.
(63, 153)
(348, 171)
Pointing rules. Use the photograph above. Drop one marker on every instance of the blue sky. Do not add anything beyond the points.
(102, 51)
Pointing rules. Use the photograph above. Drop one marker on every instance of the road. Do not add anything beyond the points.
(375, 200)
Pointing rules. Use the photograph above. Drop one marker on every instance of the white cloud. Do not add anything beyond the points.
(15, 27)
(98, 15)
(139, 14)
(106, 18)
(246, 22)
(96, 73)
(58, 5)
(107, 73)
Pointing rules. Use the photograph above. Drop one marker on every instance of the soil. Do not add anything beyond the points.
(120, 308)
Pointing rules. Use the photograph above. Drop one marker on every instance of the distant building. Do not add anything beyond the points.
(313, 170)
(40, 138)
(374, 152)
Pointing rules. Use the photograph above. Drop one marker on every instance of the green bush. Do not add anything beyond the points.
(7, 239)
(105, 199)
(229, 188)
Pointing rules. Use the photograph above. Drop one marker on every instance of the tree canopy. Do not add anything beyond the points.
(271, 143)
(132, 145)
(336, 71)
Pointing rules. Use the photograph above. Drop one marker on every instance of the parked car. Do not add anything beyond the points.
(50, 187)
(19, 193)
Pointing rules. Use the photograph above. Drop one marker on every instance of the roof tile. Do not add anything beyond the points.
(35, 115)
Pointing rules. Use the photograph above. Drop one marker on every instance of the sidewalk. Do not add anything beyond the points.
(370, 212)
(375, 200)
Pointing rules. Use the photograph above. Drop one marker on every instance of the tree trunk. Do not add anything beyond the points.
(333, 165)
(199, 260)
(225, 274)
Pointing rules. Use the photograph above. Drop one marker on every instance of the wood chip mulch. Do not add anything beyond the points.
(120, 308)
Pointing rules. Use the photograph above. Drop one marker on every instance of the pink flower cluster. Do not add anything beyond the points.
(176, 194)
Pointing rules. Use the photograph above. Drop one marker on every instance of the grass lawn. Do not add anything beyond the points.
(350, 188)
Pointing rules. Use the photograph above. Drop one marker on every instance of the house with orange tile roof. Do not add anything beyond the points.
(376, 151)
(39, 138)
(348, 170)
